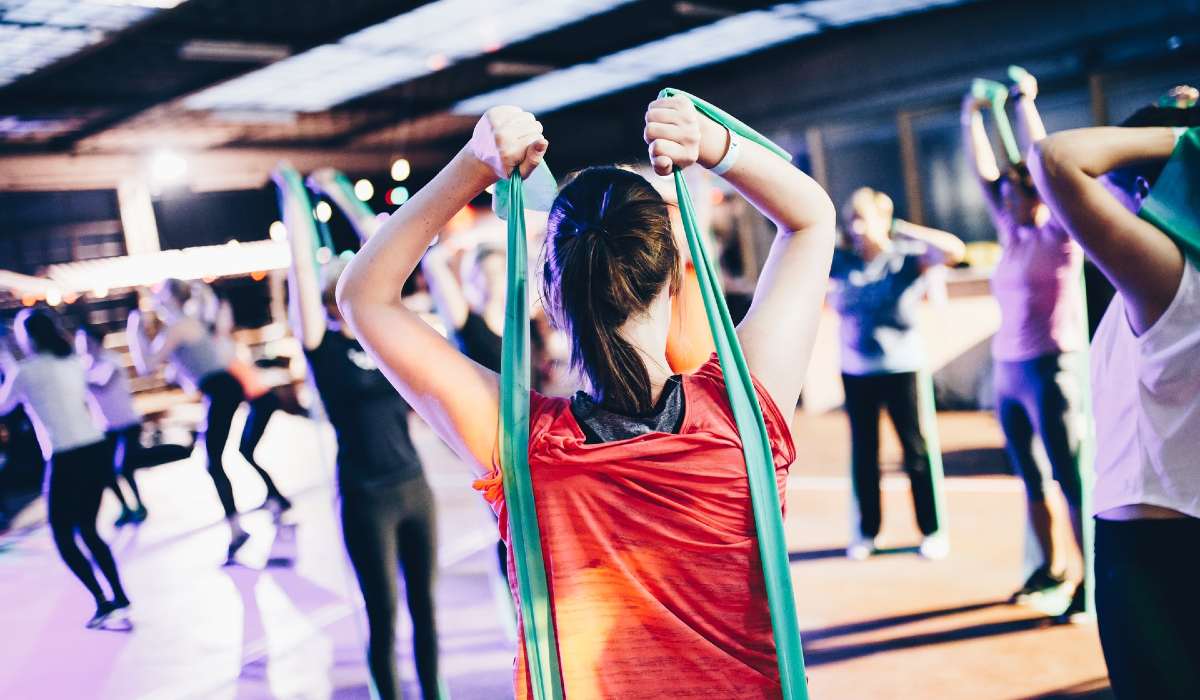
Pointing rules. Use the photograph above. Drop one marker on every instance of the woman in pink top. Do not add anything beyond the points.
(1038, 349)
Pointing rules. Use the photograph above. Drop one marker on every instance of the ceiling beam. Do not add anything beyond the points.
(218, 169)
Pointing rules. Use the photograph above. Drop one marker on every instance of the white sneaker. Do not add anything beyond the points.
(935, 546)
(861, 548)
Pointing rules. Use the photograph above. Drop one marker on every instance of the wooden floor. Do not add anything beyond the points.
(288, 623)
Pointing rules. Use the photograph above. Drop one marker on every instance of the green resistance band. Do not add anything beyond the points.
(928, 420)
(298, 193)
(361, 208)
(1174, 202)
(537, 628)
(997, 95)
(756, 447)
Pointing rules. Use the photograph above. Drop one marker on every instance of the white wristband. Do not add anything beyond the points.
(731, 154)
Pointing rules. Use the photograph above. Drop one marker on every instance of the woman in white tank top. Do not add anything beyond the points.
(50, 382)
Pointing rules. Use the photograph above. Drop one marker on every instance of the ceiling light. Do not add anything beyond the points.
(416, 43)
(277, 231)
(323, 211)
(364, 190)
(167, 168)
(401, 169)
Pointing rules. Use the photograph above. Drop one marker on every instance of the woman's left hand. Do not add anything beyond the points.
(679, 136)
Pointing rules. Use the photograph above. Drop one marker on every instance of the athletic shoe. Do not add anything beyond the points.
(1077, 612)
(238, 541)
(861, 548)
(103, 610)
(1040, 582)
(139, 515)
(935, 546)
(278, 505)
(128, 517)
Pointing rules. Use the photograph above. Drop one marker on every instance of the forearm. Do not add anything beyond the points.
(947, 248)
(978, 145)
(139, 346)
(1098, 150)
(305, 310)
(1030, 129)
(779, 190)
(377, 273)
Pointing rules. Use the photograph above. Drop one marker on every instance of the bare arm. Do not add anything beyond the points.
(1141, 261)
(942, 248)
(979, 150)
(1030, 128)
(101, 372)
(458, 398)
(149, 356)
(448, 299)
(9, 396)
(780, 328)
(306, 312)
(361, 218)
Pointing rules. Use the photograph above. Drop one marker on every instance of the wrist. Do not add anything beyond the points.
(714, 143)
(478, 173)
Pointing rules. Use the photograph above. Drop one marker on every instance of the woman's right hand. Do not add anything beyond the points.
(508, 137)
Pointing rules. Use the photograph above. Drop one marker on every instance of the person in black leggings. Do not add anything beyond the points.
(387, 506)
(51, 383)
(203, 361)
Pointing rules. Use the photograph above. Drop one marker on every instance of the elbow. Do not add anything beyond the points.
(348, 294)
(1048, 159)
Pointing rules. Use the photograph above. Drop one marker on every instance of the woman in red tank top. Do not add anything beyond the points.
(641, 491)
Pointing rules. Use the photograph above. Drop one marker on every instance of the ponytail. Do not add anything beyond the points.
(609, 251)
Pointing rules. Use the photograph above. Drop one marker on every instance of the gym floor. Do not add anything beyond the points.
(287, 622)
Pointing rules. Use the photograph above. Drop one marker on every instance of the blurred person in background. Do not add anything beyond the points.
(1038, 351)
(877, 272)
(202, 361)
(1145, 391)
(387, 508)
(51, 382)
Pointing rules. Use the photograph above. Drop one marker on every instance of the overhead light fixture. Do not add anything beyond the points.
(277, 231)
(416, 43)
(323, 211)
(724, 39)
(364, 190)
(232, 51)
(401, 169)
(396, 196)
(37, 33)
(167, 168)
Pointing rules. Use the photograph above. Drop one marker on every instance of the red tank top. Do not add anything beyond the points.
(651, 555)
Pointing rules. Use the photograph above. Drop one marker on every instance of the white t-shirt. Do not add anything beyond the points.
(110, 395)
(1146, 399)
(54, 392)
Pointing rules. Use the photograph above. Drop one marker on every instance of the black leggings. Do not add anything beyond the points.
(386, 527)
(76, 482)
(223, 394)
(1042, 394)
(865, 396)
(1148, 608)
(129, 455)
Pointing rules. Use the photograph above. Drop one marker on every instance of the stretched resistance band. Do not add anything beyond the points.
(537, 628)
(747, 414)
(297, 195)
(1173, 204)
(997, 95)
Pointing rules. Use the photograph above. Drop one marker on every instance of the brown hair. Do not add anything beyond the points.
(609, 251)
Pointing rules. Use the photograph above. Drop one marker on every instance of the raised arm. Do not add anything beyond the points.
(306, 312)
(149, 355)
(448, 298)
(332, 184)
(941, 247)
(1141, 261)
(1030, 128)
(9, 395)
(979, 148)
(778, 332)
(457, 397)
